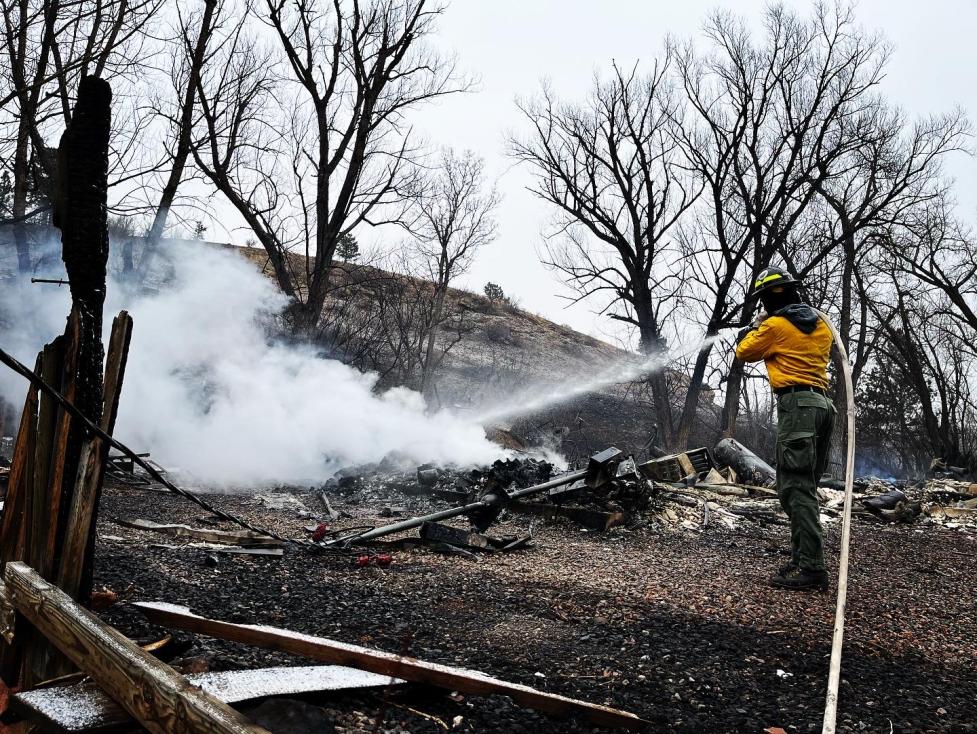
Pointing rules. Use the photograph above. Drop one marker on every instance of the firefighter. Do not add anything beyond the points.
(795, 344)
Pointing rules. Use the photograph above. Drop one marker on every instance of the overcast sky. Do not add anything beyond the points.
(512, 45)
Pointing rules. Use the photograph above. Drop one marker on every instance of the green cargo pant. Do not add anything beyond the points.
(804, 423)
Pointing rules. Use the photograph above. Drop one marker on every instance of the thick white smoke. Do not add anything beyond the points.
(208, 391)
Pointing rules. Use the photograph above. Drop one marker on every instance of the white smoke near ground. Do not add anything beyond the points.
(208, 391)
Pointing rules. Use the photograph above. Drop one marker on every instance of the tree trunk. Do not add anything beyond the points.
(731, 404)
(652, 345)
(19, 204)
(690, 409)
(428, 365)
(184, 138)
(84, 161)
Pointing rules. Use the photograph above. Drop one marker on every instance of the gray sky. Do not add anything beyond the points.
(512, 45)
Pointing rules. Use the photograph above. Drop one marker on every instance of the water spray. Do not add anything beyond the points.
(618, 373)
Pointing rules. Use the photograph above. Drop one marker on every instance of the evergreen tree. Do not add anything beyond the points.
(494, 293)
(347, 248)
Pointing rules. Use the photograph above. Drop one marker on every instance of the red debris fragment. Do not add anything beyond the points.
(102, 600)
(362, 561)
(384, 559)
(320, 532)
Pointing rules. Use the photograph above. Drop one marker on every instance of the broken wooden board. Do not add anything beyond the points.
(74, 574)
(217, 548)
(87, 708)
(384, 663)
(226, 537)
(152, 692)
(592, 519)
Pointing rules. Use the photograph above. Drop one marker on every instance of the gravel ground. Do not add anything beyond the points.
(674, 625)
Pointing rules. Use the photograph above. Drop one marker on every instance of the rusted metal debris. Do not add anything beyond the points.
(485, 510)
(433, 532)
(676, 467)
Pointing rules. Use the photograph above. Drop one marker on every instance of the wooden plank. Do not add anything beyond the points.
(41, 521)
(63, 459)
(227, 537)
(39, 518)
(87, 708)
(384, 663)
(76, 553)
(153, 693)
(13, 532)
(21, 478)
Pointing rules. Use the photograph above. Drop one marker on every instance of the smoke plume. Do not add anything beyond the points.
(208, 390)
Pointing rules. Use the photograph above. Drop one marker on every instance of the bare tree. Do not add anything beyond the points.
(455, 218)
(610, 169)
(190, 53)
(932, 366)
(49, 45)
(770, 126)
(310, 139)
(940, 252)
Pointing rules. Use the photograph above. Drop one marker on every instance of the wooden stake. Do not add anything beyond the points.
(20, 479)
(13, 531)
(385, 663)
(153, 693)
(63, 458)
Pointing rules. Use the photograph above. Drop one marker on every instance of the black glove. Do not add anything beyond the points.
(741, 334)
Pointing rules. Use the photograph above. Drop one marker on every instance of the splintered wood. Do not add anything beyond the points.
(227, 537)
(385, 663)
(158, 697)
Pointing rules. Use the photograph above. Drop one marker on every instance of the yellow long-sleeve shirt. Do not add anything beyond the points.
(791, 356)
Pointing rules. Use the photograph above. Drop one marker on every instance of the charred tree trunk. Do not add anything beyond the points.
(19, 204)
(653, 345)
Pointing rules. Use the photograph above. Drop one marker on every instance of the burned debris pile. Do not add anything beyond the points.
(454, 511)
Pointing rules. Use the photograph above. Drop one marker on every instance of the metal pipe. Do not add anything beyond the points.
(57, 281)
(415, 522)
(834, 669)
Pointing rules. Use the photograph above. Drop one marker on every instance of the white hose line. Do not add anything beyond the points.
(834, 670)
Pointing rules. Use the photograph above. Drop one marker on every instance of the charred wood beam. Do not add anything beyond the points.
(158, 697)
(81, 214)
(385, 663)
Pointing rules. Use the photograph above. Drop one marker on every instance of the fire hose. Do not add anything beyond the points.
(837, 639)
(834, 668)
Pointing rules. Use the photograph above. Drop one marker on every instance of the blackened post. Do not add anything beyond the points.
(82, 217)
(81, 212)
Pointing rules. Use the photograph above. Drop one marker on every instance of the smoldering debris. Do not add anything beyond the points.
(213, 394)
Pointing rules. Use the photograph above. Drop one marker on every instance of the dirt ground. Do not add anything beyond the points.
(674, 625)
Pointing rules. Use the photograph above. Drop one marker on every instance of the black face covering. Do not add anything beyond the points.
(773, 302)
